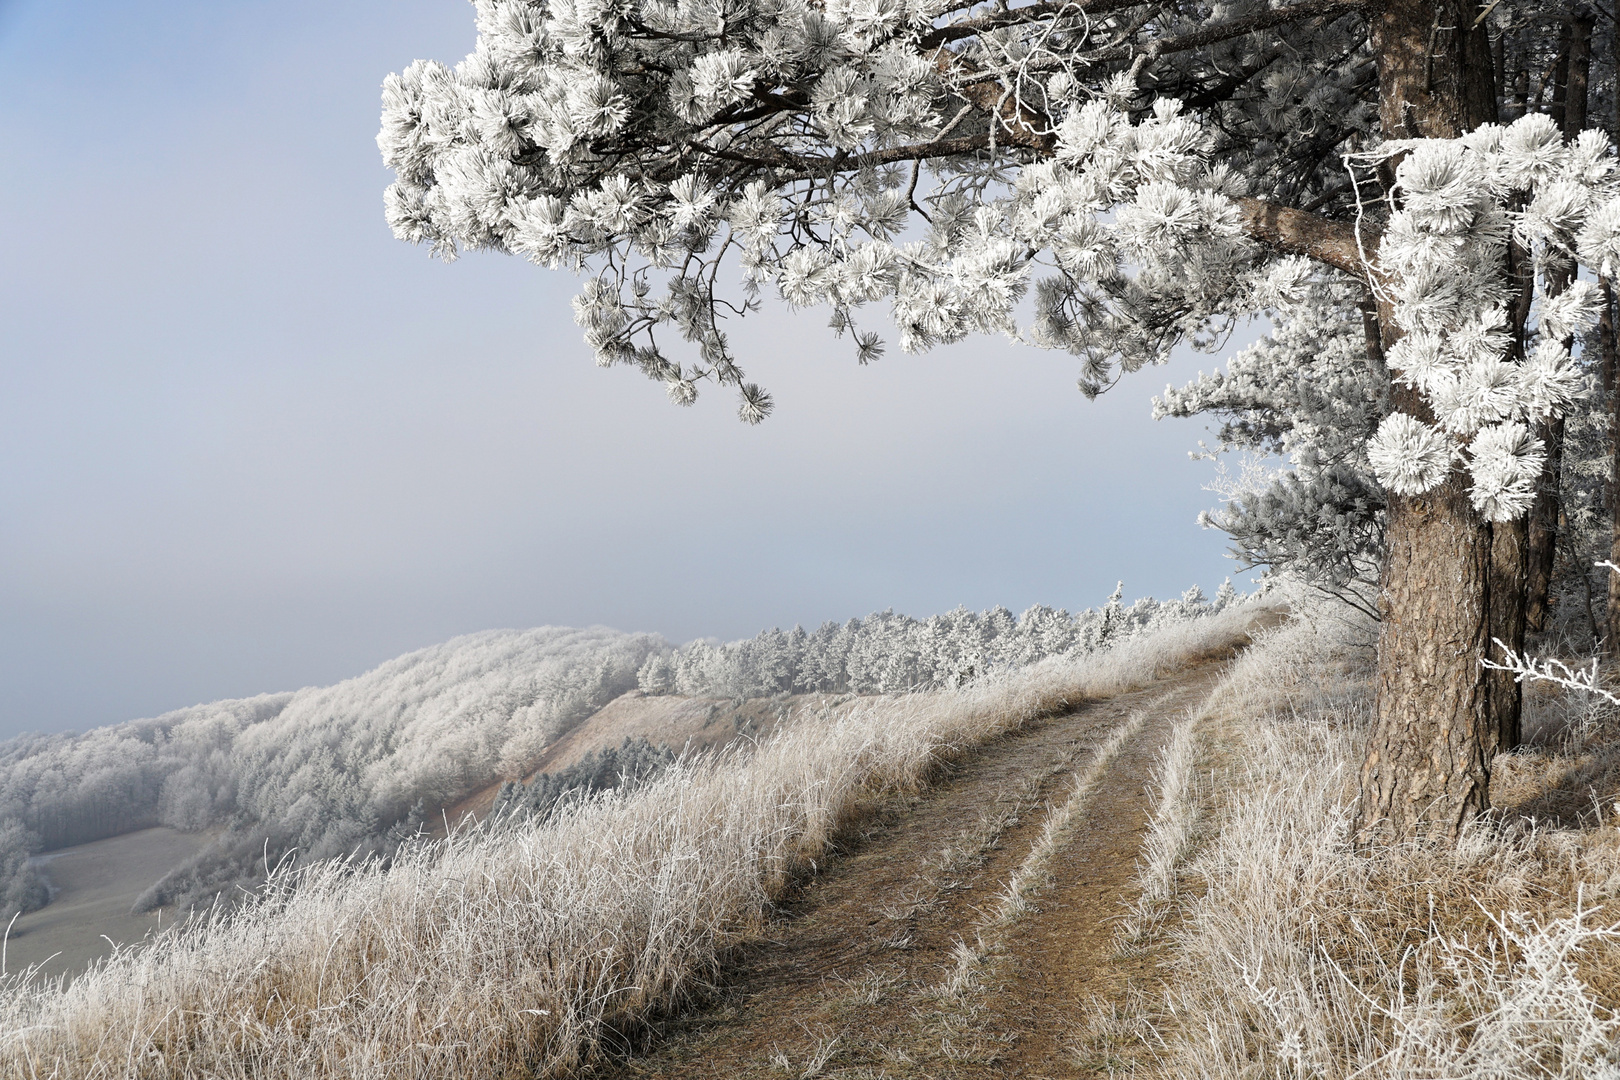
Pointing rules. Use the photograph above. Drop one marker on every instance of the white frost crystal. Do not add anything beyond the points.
(1408, 456)
(1505, 463)
(842, 156)
(1442, 254)
(1549, 381)
(1572, 311)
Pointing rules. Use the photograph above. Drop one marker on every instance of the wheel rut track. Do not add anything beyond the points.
(846, 979)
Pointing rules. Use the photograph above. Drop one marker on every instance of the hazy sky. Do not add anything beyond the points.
(249, 442)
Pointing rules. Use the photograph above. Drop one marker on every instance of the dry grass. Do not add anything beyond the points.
(1569, 763)
(520, 952)
(1171, 831)
(1296, 956)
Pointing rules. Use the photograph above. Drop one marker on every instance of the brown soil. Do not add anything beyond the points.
(890, 963)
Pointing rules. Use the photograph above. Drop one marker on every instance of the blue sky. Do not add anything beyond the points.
(249, 442)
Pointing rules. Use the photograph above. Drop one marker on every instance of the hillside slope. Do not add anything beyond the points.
(95, 886)
(424, 739)
(682, 725)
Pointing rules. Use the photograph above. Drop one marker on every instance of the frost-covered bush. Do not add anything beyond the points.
(20, 887)
(887, 653)
(612, 768)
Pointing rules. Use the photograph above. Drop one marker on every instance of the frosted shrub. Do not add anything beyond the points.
(612, 768)
(1300, 404)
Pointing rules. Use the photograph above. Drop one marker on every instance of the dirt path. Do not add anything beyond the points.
(893, 961)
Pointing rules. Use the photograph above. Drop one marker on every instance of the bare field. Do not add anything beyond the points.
(95, 886)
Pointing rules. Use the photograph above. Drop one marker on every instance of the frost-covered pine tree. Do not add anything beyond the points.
(1108, 177)
(1306, 394)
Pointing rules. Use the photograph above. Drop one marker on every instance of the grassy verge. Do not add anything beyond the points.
(1294, 955)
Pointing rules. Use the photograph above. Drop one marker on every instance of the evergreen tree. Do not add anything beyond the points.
(1146, 175)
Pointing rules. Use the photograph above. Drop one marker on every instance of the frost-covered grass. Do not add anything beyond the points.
(1299, 956)
(1170, 830)
(518, 952)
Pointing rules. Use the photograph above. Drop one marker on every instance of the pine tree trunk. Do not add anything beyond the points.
(1544, 518)
(1427, 770)
(1510, 551)
(1609, 340)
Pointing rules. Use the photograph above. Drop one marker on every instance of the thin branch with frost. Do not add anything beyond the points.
(1550, 670)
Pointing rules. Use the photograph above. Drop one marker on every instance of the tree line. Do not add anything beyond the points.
(886, 653)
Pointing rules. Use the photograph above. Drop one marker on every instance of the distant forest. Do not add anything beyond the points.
(355, 768)
(887, 653)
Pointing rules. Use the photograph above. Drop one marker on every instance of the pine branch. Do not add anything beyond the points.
(1225, 31)
(1022, 16)
(1296, 232)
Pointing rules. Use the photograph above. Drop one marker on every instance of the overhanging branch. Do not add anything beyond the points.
(1298, 232)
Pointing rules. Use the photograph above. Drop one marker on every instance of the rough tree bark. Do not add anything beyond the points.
(1544, 521)
(1510, 565)
(1510, 540)
(1610, 368)
(1611, 382)
(1427, 770)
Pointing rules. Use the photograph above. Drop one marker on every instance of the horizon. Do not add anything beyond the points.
(251, 442)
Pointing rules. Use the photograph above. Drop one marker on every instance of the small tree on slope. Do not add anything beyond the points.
(1139, 171)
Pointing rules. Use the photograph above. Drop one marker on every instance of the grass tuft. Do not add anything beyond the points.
(1297, 955)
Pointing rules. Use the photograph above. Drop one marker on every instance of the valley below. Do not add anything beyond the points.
(93, 889)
